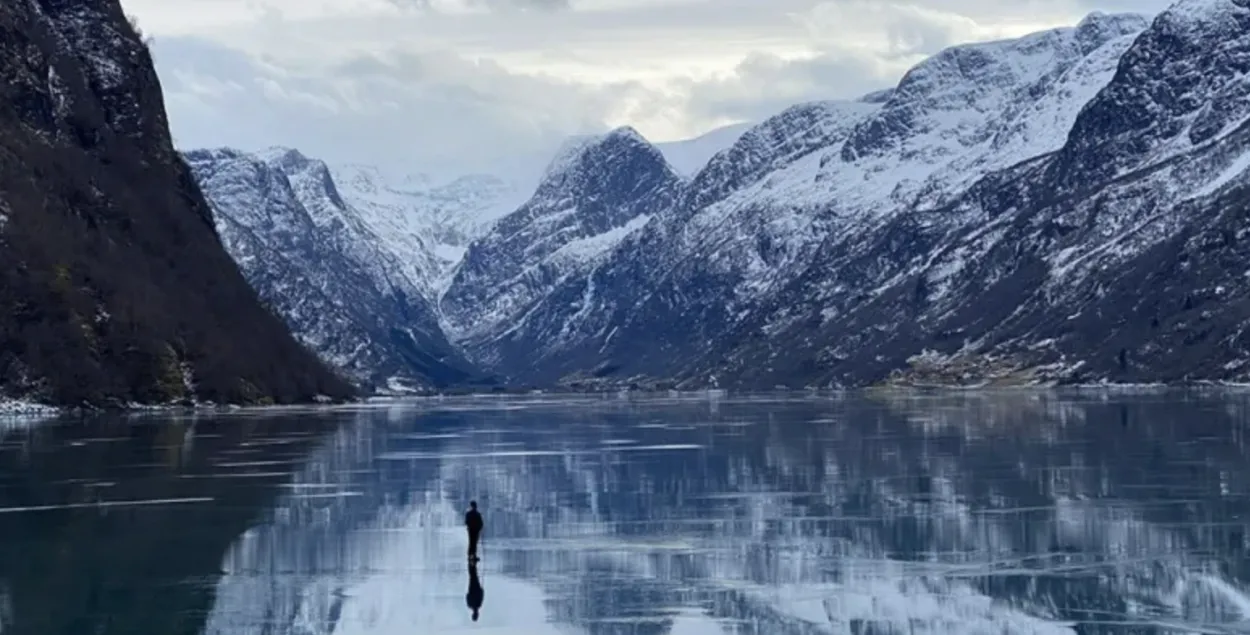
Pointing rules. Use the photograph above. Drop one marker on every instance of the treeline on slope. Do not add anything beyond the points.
(112, 278)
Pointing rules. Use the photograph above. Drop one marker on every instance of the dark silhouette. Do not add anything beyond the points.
(476, 593)
(473, 522)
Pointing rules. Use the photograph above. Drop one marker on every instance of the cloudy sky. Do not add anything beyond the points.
(459, 83)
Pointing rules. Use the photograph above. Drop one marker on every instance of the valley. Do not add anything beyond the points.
(1057, 208)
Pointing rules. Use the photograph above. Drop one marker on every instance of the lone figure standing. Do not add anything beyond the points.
(473, 522)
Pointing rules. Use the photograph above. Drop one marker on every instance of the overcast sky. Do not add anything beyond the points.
(454, 83)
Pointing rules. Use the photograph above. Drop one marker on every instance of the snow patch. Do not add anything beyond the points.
(591, 248)
(59, 92)
(18, 414)
(1236, 168)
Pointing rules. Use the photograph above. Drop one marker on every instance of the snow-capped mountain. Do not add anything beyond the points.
(968, 212)
(430, 218)
(1061, 206)
(1115, 255)
(354, 256)
(326, 271)
(595, 193)
(755, 218)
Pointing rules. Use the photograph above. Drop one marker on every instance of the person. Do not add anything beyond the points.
(476, 593)
(473, 522)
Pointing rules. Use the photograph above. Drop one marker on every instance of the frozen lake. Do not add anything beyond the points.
(878, 513)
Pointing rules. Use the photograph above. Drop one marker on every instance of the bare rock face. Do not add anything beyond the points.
(114, 285)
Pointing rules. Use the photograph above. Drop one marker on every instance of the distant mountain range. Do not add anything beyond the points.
(357, 259)
(1063, 207)
(351, 287)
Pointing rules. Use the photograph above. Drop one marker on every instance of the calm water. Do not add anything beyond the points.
(891, 514)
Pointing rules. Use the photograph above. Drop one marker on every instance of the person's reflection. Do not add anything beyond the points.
(476, 593)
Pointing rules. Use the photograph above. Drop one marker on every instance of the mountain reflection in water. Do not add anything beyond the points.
(996, 512)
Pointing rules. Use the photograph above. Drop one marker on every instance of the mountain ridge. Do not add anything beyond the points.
(697, 271)
(941, 230)
(321, 267)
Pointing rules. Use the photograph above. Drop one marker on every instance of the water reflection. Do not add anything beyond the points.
(1014, 512)
(476, 594)
(113, 526)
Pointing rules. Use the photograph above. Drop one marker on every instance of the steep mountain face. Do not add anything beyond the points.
(770, 209)
(596, 193)
(1121, 256)
(327, 271)
(354, 256)
(114, 286)
(668, 289)
(1066, 206)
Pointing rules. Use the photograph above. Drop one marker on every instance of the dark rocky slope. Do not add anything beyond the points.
(114, 286)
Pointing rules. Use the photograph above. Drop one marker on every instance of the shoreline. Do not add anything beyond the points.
(11, 409)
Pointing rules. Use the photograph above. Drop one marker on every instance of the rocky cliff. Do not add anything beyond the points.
(114, 286)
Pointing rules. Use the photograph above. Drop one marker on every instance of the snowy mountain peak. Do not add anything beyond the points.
(324, 268)
(1185, 81)
(213, 154)
(415, 216)
(878, 96)
(1099, 27)
(1198, 15)
(951, 93)
(597, 191)
(283, 157)
(583, 160)
(312, 178)
(689, 156)
(628, 133)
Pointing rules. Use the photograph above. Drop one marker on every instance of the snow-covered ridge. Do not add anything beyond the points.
(417, 214)
(594, 193)
(948, 107)
(576, 156)
(325, 269)
(1108, 259)
(837, 226)
(822, 208)
(1174, 91)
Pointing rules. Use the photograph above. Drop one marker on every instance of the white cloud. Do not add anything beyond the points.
(459, 82)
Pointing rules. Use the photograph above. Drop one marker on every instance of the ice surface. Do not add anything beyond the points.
(105, 504)
(583, 537)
